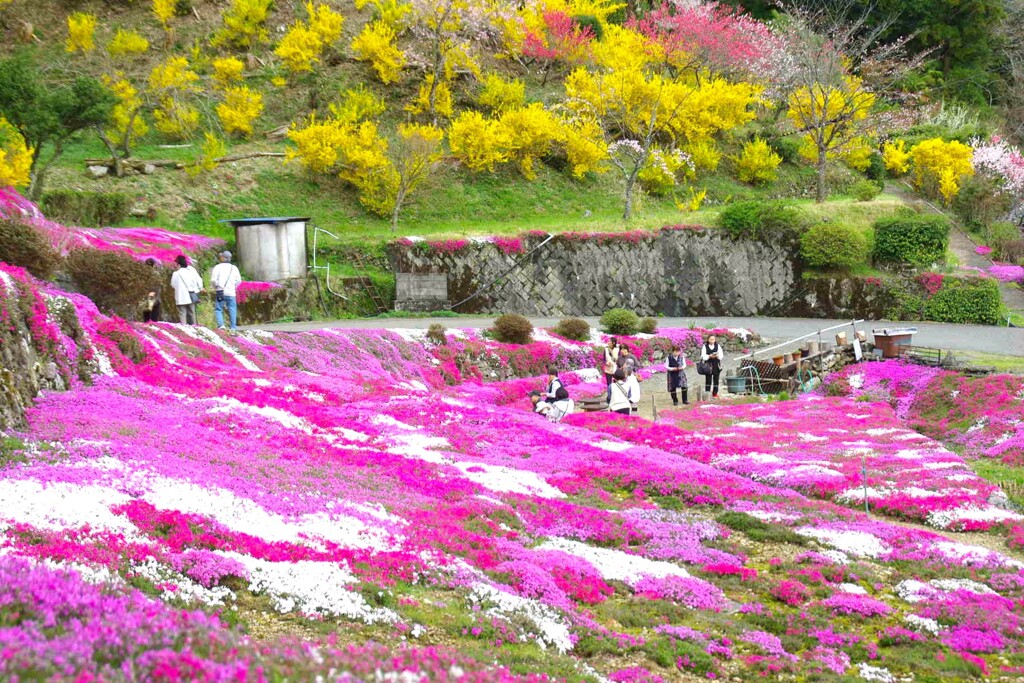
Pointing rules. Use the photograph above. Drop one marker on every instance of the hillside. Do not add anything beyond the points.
(264, 507)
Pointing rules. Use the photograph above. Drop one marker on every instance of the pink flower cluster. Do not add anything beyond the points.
(253, 289)
(162, 245)
(1000, 161)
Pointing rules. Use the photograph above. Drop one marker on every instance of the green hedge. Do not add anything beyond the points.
(89, 209)
(965, 300)
(916, 239)
(763, 220)
(833, 246)
(620, 321)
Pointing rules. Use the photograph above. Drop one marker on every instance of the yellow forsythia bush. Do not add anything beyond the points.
(442, 98)
(15, 156)
(757, 163)
(376, 44)
(127, 43)
(660, 173)
(173, 74)
(939, 166)
(227, 70)
(213, 148)
(164, 11)
(500, 95)
(300, 48)
(325, 22)
(391, 12)
(585, 146)
(125, 119)
(81, 28)
(241, 106)
(704, 155)
(244, 23)
(478, 142)
(175, 118)
(896, 157)
(530, 133)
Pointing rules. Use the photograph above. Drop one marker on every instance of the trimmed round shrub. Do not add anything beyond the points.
(917, 239)
(763, 220)
(435, 333)
(965, 300)
(23, 246)
(865, 190)
(576, 329)
(620, 321)
(648, 325)
(833, 246)
(115, 282)
(512, 328)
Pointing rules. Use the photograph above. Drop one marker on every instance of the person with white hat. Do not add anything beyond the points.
(225, 279)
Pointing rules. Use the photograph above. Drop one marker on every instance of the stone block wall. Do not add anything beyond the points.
(675, 272)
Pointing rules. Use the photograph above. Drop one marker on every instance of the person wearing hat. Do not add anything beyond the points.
(225, 279)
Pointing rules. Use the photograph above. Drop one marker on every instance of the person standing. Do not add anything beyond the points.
(611, 363)
(152, 313)
(186, 284)
(619, 399)
(676, 367)
(711, 353)
(225, 279)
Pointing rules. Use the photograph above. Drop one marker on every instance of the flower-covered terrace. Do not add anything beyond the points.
(358, 505)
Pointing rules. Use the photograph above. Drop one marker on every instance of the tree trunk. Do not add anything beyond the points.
(630, 188)
(820, 192)
(399, 199)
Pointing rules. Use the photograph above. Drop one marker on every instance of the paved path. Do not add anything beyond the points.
(998, 340)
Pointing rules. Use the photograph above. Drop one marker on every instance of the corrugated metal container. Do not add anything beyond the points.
(271, 249)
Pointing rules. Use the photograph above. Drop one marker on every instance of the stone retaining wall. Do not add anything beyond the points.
(672, 272)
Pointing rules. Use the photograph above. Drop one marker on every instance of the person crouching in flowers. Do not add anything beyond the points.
(676, 367)
(619, 401)
(553, 409)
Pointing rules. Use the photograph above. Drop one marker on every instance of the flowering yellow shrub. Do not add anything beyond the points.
(392, 12)
(530, 133)
(358, 104)
(757, 163)
(227, 70)
(408, 163)
(241, 106)
(585, 146)
(173, 74)
(127, 43)
(896, 157)
(478, 142)
(15, 156)
(125, 118)
(244, 23)
(164, 11)
(300, 48)
(832, 116)
(442, 98)
(325, 22)
(939, 166)
(376, 44)
(500, 95)
(317, 143)
(857, 154)
(663, 169)
(704, 154)
(81, 28)
(176, 118)
(213, 148)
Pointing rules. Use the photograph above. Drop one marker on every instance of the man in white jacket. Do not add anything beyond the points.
(187, 283)
(225, 279)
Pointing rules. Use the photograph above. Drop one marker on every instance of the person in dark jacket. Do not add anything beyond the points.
(676, 370)
(151, 311)
(711, 352)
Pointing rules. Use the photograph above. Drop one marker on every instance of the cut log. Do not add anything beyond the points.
(139, 165)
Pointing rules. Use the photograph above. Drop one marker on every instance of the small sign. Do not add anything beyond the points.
(857, 353)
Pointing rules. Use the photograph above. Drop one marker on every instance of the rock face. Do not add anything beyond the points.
(28, 362)
(674, 272)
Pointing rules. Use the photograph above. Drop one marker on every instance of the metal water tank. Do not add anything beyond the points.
(271, 249)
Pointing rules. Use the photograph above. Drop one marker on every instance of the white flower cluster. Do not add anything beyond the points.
(553, 629)
(923, 624)
(875, 673)
(615, 565)
(856, 543)
(173, 585)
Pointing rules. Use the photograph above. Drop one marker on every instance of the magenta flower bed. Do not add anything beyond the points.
(162, 245)
(366, 484)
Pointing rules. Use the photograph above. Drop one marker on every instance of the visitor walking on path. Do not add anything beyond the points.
(225, 279)
(676, 368)
(619, 399)
(712, 354)
(187, 283)
(152, 310)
